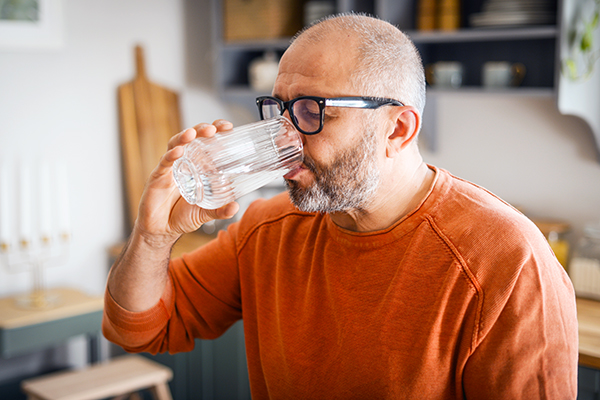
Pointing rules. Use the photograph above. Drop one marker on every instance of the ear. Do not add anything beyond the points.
(405, 122)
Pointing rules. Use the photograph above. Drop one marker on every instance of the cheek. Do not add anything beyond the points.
(338, 134)
(317, 148)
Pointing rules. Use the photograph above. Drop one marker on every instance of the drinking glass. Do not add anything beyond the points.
(218, 170)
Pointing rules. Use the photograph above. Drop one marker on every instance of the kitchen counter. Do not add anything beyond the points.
(588, 315)
(26, 330)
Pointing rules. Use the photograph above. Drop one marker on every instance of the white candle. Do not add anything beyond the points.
(5, 212)
(44, 202)
(62, 190)
(25, 203)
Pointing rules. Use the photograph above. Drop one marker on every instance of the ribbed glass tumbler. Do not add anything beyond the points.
(218, 170)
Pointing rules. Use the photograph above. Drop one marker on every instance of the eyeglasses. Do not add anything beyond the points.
(308, 112)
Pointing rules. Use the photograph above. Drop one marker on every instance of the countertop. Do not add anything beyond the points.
(588, 315)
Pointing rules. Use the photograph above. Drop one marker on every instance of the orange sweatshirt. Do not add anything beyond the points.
(462, 298)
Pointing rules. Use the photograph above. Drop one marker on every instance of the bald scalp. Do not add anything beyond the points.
(387, 62)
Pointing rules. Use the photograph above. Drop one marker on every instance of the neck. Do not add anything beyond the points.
(397, 196)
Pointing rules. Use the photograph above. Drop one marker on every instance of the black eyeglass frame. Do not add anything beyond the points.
(350, 102)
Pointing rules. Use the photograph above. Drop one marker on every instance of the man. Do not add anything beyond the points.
(378, 276)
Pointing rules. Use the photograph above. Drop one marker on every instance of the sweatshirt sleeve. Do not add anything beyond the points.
(530, 351)
(136, 331)
(200, 301)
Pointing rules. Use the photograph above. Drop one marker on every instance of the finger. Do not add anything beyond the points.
(205, 130)
(223, 125)
(228, 210)
(182, 138)
(167, 160)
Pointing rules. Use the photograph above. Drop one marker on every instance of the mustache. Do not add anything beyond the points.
(310, 164)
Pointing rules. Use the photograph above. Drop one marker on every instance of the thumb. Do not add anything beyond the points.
(225, 212)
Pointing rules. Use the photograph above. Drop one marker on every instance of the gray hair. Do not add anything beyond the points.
(389, 64)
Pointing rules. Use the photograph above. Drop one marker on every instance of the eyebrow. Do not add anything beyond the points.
(277, 96)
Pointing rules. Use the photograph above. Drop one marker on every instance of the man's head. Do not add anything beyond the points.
(349, 160)
(386, 62)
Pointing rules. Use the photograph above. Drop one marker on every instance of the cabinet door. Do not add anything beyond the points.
(215, 369)
(588, 386)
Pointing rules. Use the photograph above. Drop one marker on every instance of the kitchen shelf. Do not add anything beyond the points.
(432, 37)
(257, 45)
(478, 90)
(485, 34)
(536, 53)
(533, 46)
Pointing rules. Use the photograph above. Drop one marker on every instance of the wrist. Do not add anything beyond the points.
(156, 241)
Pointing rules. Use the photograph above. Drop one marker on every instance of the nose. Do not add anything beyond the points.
(286, 113)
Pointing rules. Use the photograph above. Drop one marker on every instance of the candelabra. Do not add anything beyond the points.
(34, 256)
(34, 224)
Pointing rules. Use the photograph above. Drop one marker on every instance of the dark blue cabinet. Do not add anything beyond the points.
(588, 383)
(215, 369)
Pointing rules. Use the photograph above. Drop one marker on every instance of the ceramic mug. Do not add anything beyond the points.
(446, 74)
(263, 71)
(500, 74)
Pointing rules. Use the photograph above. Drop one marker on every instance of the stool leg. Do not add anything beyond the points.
(161, 391)
(128, 396)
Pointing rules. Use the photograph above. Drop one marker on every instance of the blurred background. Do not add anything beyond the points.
(488, 123)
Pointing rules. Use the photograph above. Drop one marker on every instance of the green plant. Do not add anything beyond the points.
(579, 64)
(19, 10)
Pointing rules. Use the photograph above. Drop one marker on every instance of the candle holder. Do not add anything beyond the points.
(34, 256)
(34, 223)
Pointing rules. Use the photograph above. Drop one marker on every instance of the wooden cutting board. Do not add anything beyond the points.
(149, 116)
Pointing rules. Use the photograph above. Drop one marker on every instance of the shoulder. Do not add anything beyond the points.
(491, 239)
(477, 222)
(504, 253)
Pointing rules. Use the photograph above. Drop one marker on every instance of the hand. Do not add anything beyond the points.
(163, 214)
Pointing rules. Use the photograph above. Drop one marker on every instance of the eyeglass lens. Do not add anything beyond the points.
(306, 113)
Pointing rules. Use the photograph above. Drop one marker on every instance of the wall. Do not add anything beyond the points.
(62, 105)
(521, 148)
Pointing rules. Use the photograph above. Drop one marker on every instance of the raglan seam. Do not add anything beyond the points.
(471, 279)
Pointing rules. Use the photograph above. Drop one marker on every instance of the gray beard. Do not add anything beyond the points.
(349, 183)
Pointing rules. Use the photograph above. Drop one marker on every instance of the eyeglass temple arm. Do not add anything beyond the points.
(359, 102)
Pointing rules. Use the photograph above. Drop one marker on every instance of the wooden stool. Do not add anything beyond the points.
(119, 376)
